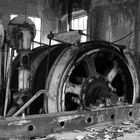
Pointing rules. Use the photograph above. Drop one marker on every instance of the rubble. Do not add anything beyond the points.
(107, 132)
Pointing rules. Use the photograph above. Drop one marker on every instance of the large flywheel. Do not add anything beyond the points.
(93, 75)
(98, 74)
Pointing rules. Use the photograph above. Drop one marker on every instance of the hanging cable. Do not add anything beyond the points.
(123, 37)
(126, 35)
(25, 9)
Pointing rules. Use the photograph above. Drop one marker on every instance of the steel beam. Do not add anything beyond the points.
(44, 124)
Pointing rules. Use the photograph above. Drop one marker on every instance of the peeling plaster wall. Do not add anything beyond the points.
(107, 19)
(99, 23)
(112, 20)
(49, 20)
(8, 7)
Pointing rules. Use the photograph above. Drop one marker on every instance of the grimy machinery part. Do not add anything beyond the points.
(42, 125)
(53, 87)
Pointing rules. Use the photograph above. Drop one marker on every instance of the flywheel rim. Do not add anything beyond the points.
(62, 87)
(98, 75)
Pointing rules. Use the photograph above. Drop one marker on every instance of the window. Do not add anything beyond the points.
(37, 22)
(80, 23)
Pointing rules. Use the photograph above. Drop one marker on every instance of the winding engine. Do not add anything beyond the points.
(72, 76)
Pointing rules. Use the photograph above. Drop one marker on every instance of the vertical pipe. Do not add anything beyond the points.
(6, 53)
(8, 59)
(24, 71)
(8, 85)
(50, 37)
(1, 65)
(1, 69)
(1, 53)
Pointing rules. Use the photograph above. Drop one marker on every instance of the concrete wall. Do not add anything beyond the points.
(8, 7)
(108, 19)
(112, 20)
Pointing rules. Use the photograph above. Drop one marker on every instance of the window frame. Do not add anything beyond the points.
(78, 15)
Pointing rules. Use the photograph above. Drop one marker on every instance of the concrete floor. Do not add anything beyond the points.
(124, 131)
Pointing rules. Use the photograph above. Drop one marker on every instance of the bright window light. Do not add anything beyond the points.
(80, 23)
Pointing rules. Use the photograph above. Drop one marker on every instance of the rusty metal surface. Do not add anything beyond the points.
(39, 125)
(71, 37)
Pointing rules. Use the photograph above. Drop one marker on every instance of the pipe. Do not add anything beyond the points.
(1, 69)
(30, 101)
(1, 62)
(6, 56)
(8, 85)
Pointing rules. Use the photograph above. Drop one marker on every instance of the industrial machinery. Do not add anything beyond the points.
(59, 83)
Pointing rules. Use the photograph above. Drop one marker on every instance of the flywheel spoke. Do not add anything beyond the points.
(90, 61)
(112, 73)
(73, 88)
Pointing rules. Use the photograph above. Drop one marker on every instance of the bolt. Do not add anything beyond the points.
(76, 100)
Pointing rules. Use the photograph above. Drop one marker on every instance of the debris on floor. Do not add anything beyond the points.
(126, 130)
